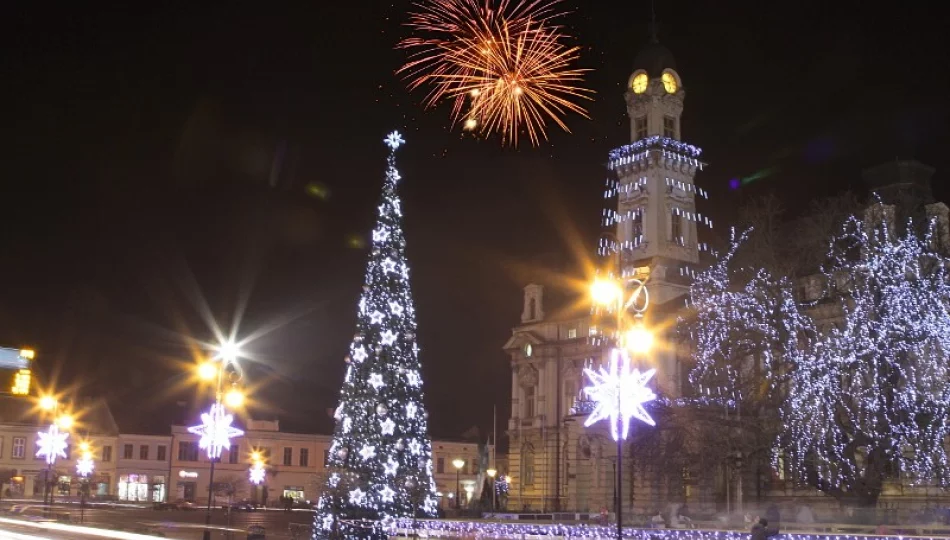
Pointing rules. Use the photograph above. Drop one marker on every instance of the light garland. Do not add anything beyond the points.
(381, 454)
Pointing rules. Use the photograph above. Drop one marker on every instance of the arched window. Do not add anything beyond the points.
(527, 465)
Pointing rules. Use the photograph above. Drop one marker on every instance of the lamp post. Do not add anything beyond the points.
(621, 391)
(491, 474)
(216, 430)
(84, 467)
(458, 463)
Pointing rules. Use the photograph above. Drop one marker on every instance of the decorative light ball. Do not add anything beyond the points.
(410, 483)
(381, 410)
(347, 360)
(357, 338)
(411, 335)
(400, 445)
(378, 349)
(366, 288)
(341, 453)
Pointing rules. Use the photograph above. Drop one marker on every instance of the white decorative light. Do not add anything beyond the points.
(380, 235)
(359, 354)
(415, 447)
(396, 308)
(619, 394)
(411, 409)
(51, 444)
(412, 377)
(216, 431)
(85, 466)
(388, 337)
(390, 467)
(387, 494)
(368, 451)
(387, 426)
(257, 474)
(376, 381)
(376, 317)
(347, 424)
(389, 266)
(394, 140)
(357, 497)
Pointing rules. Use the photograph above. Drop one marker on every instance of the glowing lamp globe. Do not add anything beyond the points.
(638, 340)
(458, 463)
(48, 403)
(234, 398)
(207, 371)
(604, 292)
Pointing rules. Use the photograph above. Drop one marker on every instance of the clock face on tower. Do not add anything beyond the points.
(639, 83)
(669, 82)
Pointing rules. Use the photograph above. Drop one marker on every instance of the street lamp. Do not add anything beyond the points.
(51, 444)
(458, 463)
(621, 391)
(491, 474)
(216, 430)
(84, 467)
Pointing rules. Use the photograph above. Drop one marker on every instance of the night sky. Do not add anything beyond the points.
(141, 141)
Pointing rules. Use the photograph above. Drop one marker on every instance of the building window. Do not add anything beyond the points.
(127, 450)
(532, 309)
(234, 454)
(676, 226)
(288, 456)
(160, 453)
(440, 465)
(572, 333)
(106, 454)
(529, 402)
(527, 465)
(669, 127)
(143, 451)
(640, 127)
(19, 447)
(304, 457)
(1, 447)
(187, 451)
(636, 227)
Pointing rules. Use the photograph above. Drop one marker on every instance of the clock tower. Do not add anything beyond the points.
(653, 181)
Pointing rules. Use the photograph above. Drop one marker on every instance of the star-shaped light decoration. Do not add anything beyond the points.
(619, 394)
(376, 381)
(387, 426)
(412, 377)
(368, 452)
(411, 409)
(390, 467)
(357, 496)
(85, 466)
(388, 337)
(380, 235)
(376, 317)
(216, 431)
(389, 266)
(394, 140)
(396, 308)
(415, 447)
(52, 444)
(387, 494)
(359, 354)
(256, 474)
(347, 424)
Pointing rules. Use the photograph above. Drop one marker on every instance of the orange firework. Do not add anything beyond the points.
(507, 63)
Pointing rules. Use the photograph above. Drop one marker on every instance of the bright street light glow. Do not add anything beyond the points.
(48, 403)
(229, 351)
(65, 421)
(234, 398)
(207, 371)
(638, 340)
(491, 473)
(605, 292)
(458, 463)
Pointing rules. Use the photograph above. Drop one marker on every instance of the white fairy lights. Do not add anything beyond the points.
(381, 447)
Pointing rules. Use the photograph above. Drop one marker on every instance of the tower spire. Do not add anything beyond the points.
(653, 28)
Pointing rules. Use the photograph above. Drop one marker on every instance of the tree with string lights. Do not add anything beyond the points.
(870, 398)
(380, 459)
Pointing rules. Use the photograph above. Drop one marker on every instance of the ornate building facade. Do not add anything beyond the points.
(557, 464)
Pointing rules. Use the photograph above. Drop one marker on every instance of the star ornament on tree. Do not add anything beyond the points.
(216, 431)
(394, 140)
(52, 444)
(619, 394)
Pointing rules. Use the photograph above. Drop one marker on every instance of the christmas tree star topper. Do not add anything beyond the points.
(619, 394)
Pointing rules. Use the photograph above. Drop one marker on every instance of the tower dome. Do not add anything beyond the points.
(654, 58)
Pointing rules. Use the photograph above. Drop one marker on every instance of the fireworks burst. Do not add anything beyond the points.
(504, 67)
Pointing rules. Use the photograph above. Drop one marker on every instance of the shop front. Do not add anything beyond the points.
(140, 487)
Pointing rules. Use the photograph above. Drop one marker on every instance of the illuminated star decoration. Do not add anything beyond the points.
(256, 474)
(52, 444)
(84, 466)
(216, 431)
(387, 426)
(388, 337)
(390, 467)
(394, 140)
(619, 394)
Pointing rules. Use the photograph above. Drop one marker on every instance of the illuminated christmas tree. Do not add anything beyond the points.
(380, 460)
(871, 398)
